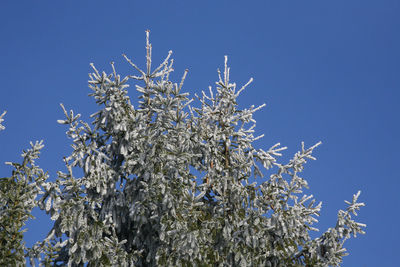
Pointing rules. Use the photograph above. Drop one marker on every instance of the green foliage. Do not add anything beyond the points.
(18, 198)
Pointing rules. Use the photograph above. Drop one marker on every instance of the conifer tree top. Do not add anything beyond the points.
(176, 181)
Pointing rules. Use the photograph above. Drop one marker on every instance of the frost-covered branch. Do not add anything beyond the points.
(1, 120)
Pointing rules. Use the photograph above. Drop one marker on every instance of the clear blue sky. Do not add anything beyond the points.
(327, 70)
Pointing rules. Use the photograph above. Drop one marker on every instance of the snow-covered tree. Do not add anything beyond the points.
(174, 183)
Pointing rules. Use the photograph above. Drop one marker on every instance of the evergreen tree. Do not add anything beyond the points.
(170, 184)
(18, 195)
